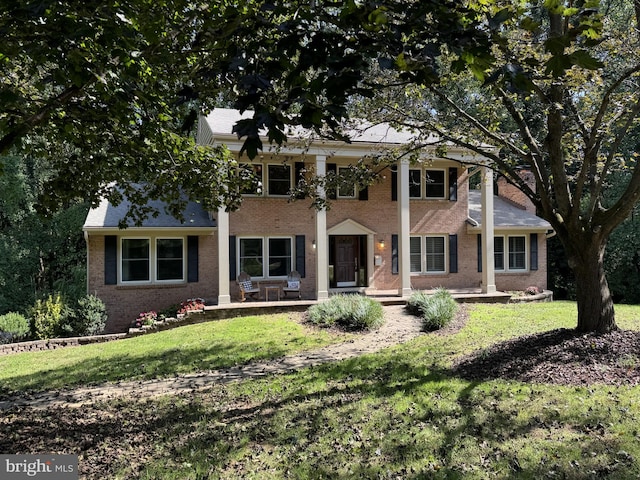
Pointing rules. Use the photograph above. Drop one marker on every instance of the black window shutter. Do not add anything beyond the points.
(394, 184)
(232, 257)
(110, 260)
(192, 258)
(394, 255)
(479, 253)
(331, 192)
(533, 260)
(300, 255)
(453, 253)
(453, 184)
(299, 167)
(363, 194)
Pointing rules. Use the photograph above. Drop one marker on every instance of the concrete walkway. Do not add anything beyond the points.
(398, 328)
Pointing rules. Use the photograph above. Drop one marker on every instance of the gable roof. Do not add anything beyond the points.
(107, 216)
(505, 214)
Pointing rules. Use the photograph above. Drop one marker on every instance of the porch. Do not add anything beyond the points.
(386, 297)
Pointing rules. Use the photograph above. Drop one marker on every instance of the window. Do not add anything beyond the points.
(251, 256)
(435, 254)
(279, 180)
(415, 183)
(251, 179)
(427, 254)
(277, 250)
(435, 184)
(345, 190)
(415, 249)
(517, 253)
(510, 255)
(498, 252)
(135, 259)
(279, 257)
(169, 259)
(427, 183)
(153, 260)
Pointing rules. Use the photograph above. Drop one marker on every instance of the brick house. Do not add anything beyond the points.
(420, 227)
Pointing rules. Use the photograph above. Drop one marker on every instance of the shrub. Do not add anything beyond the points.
(436, 310)
(145, 318)
(89, 318)
(13, 327)
(48, 317)
(351, 312)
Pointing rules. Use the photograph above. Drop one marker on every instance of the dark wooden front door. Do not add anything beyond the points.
(346, 261)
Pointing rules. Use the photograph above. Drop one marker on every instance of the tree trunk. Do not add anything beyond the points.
(595, 305)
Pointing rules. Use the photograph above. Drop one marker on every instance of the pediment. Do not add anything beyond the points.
(349, 227)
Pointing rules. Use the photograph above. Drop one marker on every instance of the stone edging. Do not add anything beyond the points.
(54, 343)
(546, 296)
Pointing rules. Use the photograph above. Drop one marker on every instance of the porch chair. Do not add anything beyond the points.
(246, 286)
(293, 284)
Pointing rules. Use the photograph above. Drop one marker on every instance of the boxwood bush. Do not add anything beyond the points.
(350, 312)
(437, 310)
(14, 327)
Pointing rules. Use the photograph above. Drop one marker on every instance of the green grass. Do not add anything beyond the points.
(205, 346)
(399, 413)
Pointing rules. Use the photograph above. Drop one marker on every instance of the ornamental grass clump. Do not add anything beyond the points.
(437, 310)
(350, 312)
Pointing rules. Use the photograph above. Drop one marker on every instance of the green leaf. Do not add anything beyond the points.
(583, 59)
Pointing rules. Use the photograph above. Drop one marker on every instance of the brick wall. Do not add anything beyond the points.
(124, 303)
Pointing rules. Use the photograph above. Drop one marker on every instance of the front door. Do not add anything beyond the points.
(346, 261)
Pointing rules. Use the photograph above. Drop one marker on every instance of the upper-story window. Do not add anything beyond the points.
(148, 260)
(345, 190)
(427, 183)
(251, 178)
(279, 179)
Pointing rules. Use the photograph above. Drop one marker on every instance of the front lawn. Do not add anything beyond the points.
(400, 413)
(204, 346)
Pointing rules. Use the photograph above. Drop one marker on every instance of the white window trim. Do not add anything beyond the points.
(268, 179)
(423, 254)
(423, 183)
(153, 261)
(265, 255)
(505, 243)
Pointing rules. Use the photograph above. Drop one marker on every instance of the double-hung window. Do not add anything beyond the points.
(428, 254)
(270, 257)
(279, 179)
(427, 183)
(251, 178)
(345, 189)
(435, 186)
(510, 255)
(148, 260)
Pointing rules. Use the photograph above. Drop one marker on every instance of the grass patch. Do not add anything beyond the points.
(349, 312)
(399, 413)
(204, 346)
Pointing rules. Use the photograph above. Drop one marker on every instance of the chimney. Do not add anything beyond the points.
(512, 194)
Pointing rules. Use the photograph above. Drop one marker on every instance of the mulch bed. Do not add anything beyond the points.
(563, 357)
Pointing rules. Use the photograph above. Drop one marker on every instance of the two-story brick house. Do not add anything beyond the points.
(419, 227)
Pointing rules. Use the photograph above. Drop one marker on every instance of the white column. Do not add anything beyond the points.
(322, 244)
(224, 297)
(404, 229)
(488, 262)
